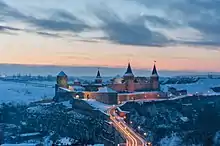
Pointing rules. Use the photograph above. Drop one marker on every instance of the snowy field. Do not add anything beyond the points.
(24, 92)
(201, 87)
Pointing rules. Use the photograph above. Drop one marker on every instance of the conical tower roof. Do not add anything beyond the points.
(129, 71)
(154, 71)
(98, 74)
(61, 74)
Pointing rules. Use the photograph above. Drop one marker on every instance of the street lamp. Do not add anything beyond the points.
(139, 127)
(145, 133)
(130, 122)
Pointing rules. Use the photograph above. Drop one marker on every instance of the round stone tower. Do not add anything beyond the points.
(62, 80)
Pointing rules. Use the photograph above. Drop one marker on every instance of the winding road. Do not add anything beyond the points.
(132, 138)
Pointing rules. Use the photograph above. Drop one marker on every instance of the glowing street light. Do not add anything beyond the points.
(145, 133)
(139, 127)
(77, 96)
(130, 122)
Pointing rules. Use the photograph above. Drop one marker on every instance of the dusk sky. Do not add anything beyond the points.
(178, 34)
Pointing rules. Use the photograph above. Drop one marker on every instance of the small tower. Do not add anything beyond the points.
(98, 79)
(128, 74)
(129, 79)
(154, 78)
(77, 82)
(62, 80)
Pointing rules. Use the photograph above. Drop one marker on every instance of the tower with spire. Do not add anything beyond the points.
(98, 79)
(129, 79)
(128, 74)
(154, 78)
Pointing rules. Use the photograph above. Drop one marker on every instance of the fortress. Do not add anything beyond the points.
(119, 89)
(130, 83)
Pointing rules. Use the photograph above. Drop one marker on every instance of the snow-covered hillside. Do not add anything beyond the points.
(24, 92)
(202, 86)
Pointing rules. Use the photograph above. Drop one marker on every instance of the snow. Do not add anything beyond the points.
(106, 90)
(76, 81)
(65, 89)
(35, 109)
(67, 104)
(171, 141)
(47, 141)
(29, 134)
(97, 105)
(22, 144)
(202, 86)
(23, 92)
(77, 88)
(97, 145)
(184, 119)
(137, 93)
(65, 141)
(217, 138)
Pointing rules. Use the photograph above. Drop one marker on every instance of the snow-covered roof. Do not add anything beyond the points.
(65, 89)
(118, 80)
(76, 81)
(61, 74)
(106, 90)
(98, 105)
(78, 87)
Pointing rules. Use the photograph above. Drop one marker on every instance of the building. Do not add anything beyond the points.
(94, 86)
(104, 94)
(129, 83)
(120, 89)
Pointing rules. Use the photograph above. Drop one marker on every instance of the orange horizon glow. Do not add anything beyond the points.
(37, 50)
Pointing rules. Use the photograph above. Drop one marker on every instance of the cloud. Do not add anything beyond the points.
(201, 15)
(47, 34)
(144, 25)
(8, 30)
(133, 33)
(59, 21)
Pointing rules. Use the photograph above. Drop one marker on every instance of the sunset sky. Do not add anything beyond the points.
(178, 34)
